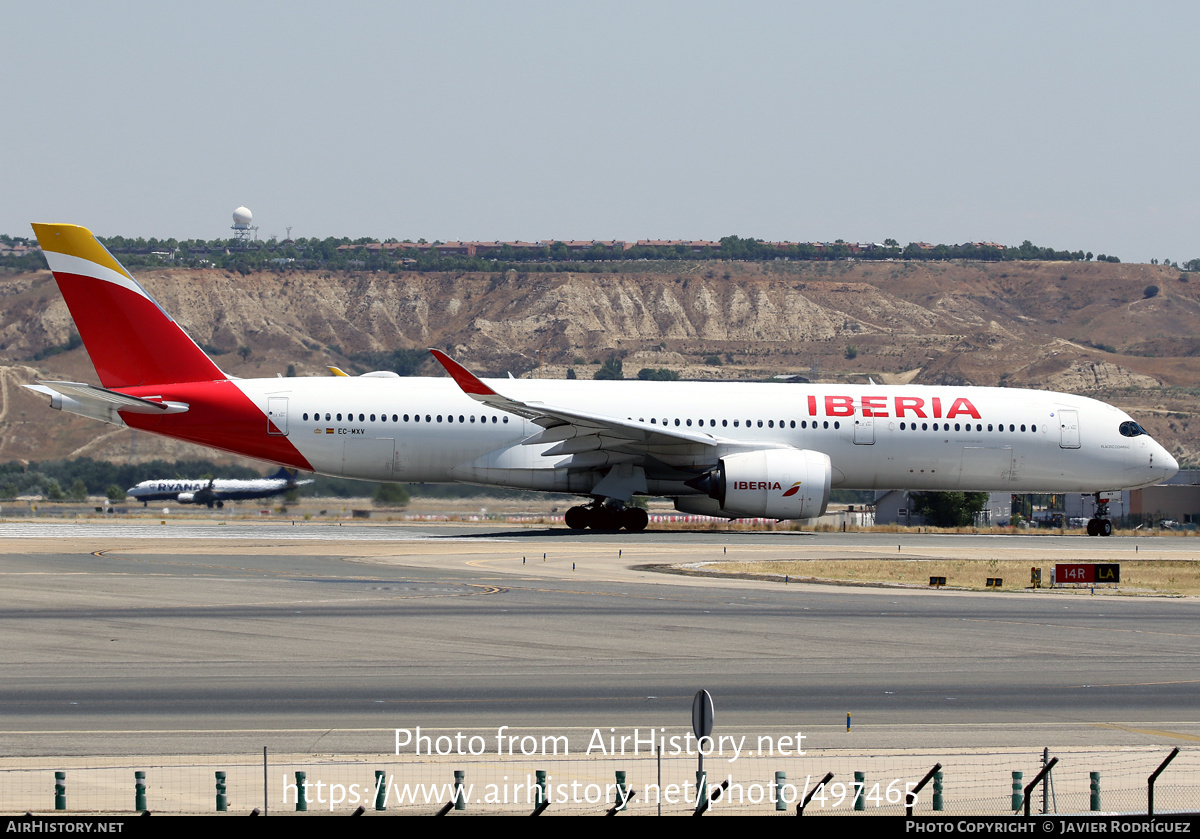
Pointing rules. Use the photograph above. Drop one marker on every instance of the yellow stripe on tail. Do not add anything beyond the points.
(73, 240)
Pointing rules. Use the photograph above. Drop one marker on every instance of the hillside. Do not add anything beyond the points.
(1081, 327)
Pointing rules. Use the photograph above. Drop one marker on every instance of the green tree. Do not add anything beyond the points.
(662, 374)
(391, 495)
(949, 509)
(53, 491)
(114, 493)
(611, 369)
(1151, 291)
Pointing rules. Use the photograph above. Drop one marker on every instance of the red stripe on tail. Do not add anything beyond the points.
(130, 340)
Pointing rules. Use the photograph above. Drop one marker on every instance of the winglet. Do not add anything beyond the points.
(467, 380)
(337, 371)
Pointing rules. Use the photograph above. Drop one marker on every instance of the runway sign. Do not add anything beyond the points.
(1086, 572)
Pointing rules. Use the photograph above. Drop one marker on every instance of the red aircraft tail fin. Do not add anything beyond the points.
(129, 337)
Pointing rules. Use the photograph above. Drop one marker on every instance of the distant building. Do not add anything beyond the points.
(1178, 499)
(895, 507)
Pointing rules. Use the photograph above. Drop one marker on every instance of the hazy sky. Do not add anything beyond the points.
(1069, 124)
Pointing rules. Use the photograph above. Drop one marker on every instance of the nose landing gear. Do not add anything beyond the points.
(1100, 524)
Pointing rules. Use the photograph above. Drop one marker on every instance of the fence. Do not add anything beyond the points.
(975, 782)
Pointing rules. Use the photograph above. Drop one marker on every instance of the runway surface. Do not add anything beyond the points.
(202, 639)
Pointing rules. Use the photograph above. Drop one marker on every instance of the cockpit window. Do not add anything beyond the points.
(1129, 428)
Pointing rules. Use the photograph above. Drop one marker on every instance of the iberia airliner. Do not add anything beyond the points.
(723, 449)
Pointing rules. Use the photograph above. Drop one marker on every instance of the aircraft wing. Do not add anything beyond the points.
(580, 432)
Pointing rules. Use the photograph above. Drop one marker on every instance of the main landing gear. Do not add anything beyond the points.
(1100, 525)
(603, 517)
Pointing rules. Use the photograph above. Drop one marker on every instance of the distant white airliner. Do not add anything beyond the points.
(215, 492)
(723, 449)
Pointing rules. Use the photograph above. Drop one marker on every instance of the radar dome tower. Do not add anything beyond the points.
(241, 225)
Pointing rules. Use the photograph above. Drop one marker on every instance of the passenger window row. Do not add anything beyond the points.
(462, 419)
(712, 423)
(945, 426)
(1129, 429)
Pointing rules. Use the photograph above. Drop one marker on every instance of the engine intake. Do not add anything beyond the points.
(771, 483)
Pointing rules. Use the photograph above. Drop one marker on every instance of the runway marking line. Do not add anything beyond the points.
(1153, 732)
(1085, 628)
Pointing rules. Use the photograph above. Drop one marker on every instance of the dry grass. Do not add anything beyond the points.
(1168, 577)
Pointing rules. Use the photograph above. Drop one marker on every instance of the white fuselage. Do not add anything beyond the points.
(877, 437)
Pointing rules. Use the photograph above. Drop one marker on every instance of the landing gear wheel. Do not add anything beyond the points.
(577, 518)
(605, 518)
(1100, 525)
(634, 519)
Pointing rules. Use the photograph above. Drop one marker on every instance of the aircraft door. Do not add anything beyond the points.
(400, 459)
(1068, 424)
(864, 430)
(277, 413)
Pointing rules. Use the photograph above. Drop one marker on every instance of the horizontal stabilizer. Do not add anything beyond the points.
(100, 403)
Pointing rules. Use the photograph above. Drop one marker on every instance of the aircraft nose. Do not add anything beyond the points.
(1164, 461)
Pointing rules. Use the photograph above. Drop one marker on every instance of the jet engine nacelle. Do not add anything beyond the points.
(771, 483)
(186, 498)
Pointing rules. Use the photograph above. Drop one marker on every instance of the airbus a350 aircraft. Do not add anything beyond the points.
(723, 449)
